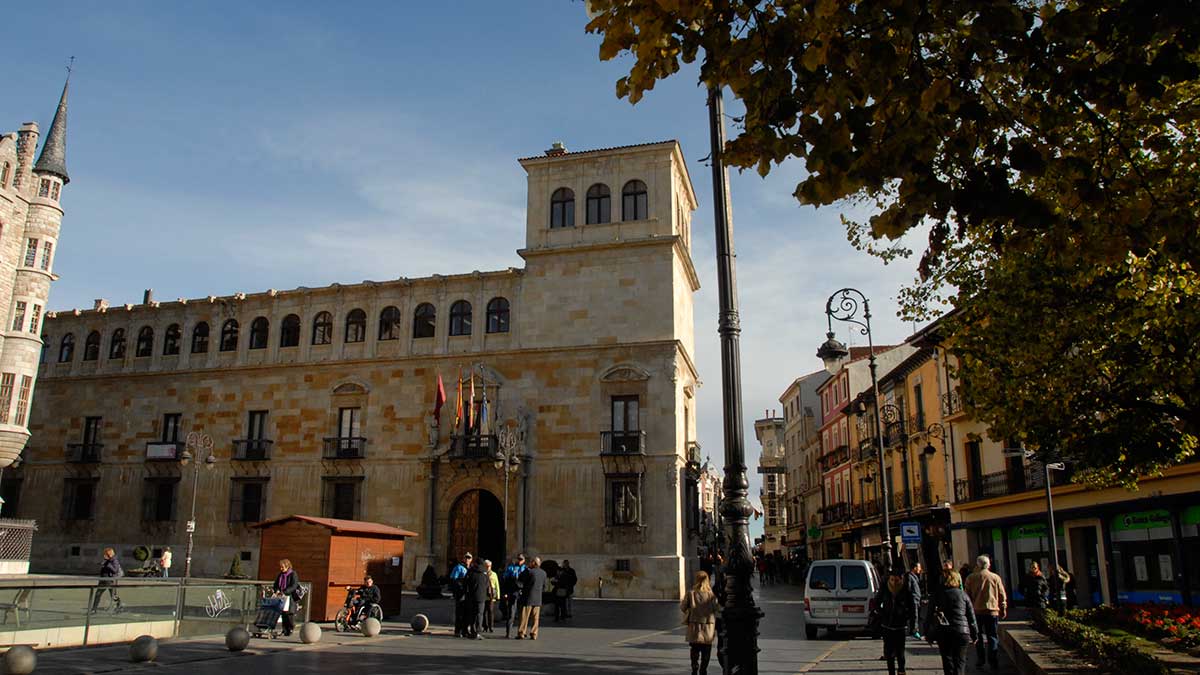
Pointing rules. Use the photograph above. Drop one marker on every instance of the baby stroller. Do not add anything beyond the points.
(268, 622)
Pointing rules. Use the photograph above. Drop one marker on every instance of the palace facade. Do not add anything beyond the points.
(578, 407)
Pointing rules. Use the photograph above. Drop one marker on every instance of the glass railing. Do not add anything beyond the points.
(53, 611)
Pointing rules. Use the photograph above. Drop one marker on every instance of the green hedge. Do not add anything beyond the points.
(1121, 655)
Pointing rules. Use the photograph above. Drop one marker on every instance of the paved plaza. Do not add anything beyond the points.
(605, 636)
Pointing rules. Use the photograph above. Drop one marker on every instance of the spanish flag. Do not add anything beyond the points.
(439, 400)
(458, 409)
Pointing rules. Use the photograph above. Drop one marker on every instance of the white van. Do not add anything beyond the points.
(839, 595)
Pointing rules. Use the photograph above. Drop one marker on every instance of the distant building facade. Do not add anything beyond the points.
(30, 218)
(578, 384)
(802, 454)
(769, 432)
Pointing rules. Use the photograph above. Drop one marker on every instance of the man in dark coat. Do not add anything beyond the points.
(533, 584)
(564, 588)
(476, 599)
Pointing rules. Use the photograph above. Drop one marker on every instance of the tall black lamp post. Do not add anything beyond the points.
(845, 306)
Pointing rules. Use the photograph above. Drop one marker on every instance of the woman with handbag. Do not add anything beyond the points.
(286, 588)
(951, 623)
(699, 607)
(895, 618)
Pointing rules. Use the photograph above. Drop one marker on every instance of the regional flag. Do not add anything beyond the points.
(439, 399)
(471, 407)
(458, 411)
(483, 416)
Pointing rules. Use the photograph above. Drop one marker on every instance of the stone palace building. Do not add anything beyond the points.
(577, 370)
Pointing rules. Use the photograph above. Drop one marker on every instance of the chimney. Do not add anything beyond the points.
(27, 138)
(557, 149)
(101, 305)
(148, 296)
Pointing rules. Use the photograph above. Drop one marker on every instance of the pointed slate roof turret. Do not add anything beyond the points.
(54, 151)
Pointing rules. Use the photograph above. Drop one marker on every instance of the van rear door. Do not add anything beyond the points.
(823, 590)
(854, 594)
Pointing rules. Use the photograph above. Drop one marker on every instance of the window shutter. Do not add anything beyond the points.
(149, 495)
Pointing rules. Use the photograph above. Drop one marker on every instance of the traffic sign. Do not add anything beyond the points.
(910, 533)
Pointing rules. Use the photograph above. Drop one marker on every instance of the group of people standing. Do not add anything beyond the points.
(477, 589)
(958, 613)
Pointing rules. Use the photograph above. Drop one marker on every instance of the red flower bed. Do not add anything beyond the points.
(1180, 624)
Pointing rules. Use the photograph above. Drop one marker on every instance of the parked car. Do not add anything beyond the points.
(839, 595)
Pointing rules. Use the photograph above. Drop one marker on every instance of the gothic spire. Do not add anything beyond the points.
(53, 159)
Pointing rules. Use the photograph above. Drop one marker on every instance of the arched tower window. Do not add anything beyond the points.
(259, 328)
(116, 346)
(562, 208)
(145, 342)
(66, 349)
(91, 346)
(289, 331)
(200, 338)
(171, 340)
(497, 315)
(599, 204)
(229, 336)
(356, 326)
(460, 318)
(424, 321)
(322, 328)
(633, 201)
(389, 324)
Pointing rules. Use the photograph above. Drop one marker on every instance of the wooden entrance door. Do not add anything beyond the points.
(464, 526)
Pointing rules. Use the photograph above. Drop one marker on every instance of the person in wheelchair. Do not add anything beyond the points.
(364, 598)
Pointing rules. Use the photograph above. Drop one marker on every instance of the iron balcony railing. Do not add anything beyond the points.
(952, 403)
(835, 513)
(475, 446)
(865, 510)
(345, 447)
(1000, 483)
(252, 449)
(836, 457)
(84, 453)
(622, 442)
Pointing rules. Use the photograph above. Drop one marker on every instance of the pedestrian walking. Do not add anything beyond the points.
(458, 590)
(287, 587)
(478, 587)
(1034, 587)
(110, 568)
(564, 589)
(164, 562)
(489, 611)
(510, 586)
(533, 585)
(986, 591)
(699, 607)
(914, 586)
(895, 617)
(951, 623)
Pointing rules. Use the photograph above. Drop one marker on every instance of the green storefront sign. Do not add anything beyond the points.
(814, 533)
(1032, 531)
(1144, 520)
(1191, 515)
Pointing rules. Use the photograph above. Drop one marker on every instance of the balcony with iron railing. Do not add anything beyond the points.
(835, 513)
(867, 449)
(475, 446)
(252, 449)
(952, 403)
(1030, 477)
(84, 453)
(622, 442)
(836, 457)
(865, 510)
(345, 447)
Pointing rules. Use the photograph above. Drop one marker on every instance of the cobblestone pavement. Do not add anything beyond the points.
(604, 636)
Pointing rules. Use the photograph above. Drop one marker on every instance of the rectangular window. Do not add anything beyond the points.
(341, 498)
(256, 425)
(19, 316)
(625, 414)
(919, 404)
(35, 318)
(44, 188)
(621, 565)
(54, 191)
(158, 499)
(79, 499)
(91, 430)
(247, 500)
(31, 245)
(624, 500)
(23, 400)
(6, 391)
(47, 249)
(348, 419)
(170, 427)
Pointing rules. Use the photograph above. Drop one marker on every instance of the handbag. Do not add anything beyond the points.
(560, 592)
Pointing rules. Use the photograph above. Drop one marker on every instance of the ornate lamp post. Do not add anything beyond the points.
(844, 305)
(197, 442)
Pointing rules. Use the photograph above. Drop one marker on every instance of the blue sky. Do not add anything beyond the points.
(220, 147)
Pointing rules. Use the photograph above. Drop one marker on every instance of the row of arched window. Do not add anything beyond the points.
(634, 204)
(424, 326)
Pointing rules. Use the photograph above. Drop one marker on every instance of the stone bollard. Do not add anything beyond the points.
(310, 633)
(371, 627)
(237, 639)
(144, 648)
(420, 624)
(20, 660)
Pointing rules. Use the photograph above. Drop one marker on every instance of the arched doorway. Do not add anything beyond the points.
(477, 525)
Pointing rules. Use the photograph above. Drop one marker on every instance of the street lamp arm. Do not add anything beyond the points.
(844, 305)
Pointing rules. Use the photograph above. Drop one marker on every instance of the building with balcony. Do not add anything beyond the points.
(773, 468)
(578, 410)
(802, 453)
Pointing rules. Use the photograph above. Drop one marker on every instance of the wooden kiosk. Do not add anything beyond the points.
(333, 554)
